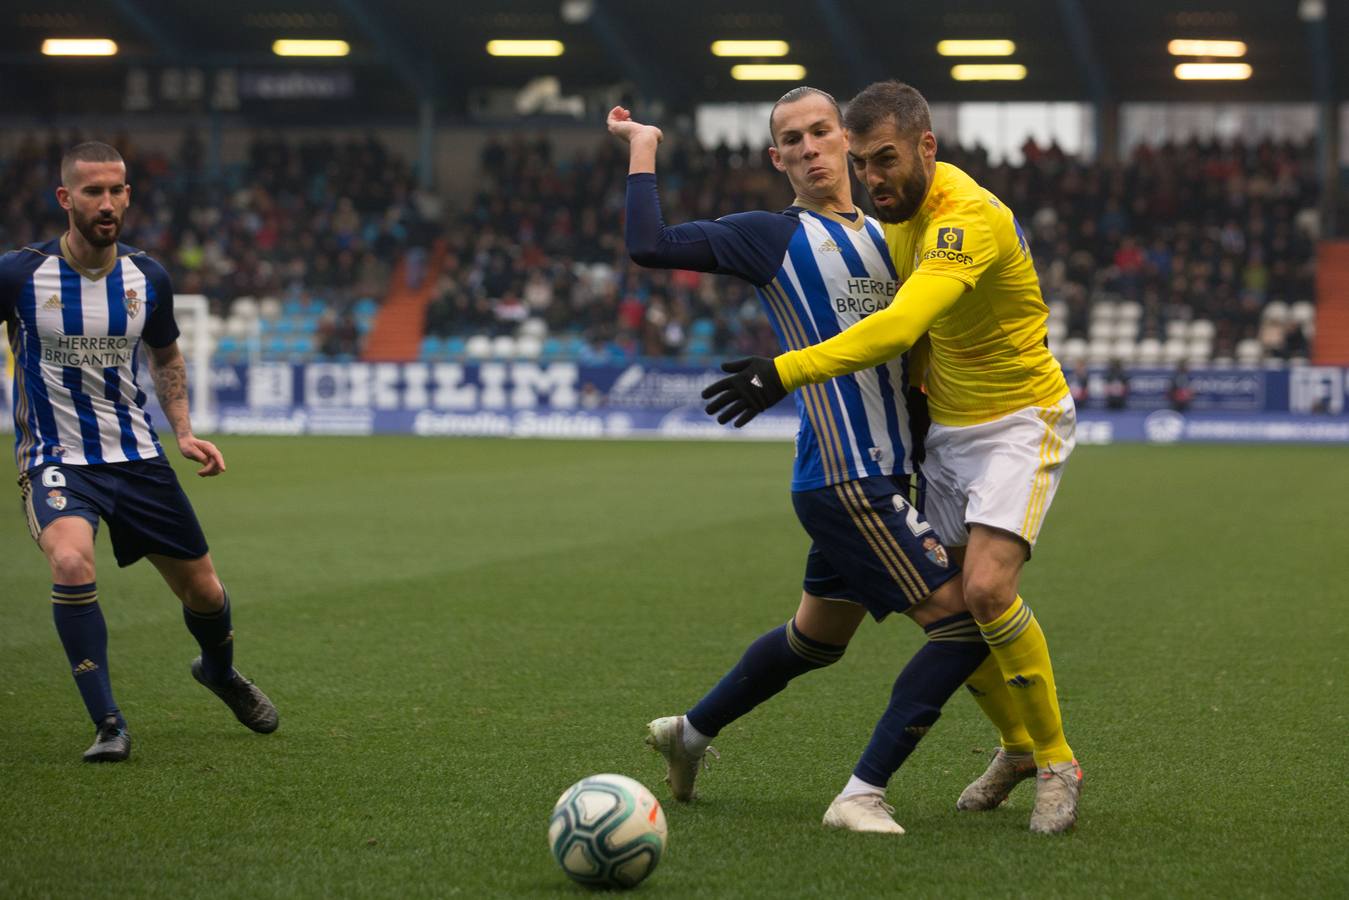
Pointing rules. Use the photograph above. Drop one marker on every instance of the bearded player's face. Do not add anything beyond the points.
(96, 199)
(891, 168)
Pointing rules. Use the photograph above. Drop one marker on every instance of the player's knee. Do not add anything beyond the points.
(70, 566)
(987, 595)
(202, 593)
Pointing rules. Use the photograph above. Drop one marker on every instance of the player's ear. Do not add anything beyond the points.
(776, 158)
(63, 196)
(927, 145)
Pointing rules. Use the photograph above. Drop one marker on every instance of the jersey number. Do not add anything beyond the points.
(52, 477)
(916, 525)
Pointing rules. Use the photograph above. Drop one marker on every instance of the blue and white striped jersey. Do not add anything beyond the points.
(833, 274)
(75, 336)
(817, 273)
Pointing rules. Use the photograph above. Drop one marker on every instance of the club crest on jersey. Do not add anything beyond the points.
(56, 500)
(935, 552)
(950, 238)
(133, 303)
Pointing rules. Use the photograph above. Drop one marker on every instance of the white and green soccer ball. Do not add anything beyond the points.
(607, 831)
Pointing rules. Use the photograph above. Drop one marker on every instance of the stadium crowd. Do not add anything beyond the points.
(1185, 231)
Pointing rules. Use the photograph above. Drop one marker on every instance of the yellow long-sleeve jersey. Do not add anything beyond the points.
(988, 355)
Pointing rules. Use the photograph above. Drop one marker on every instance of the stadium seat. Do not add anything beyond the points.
(1056, 350)
(268, 308)
(535, 328)
(294, 307)
(1126, 330)
(455, 347)
(1124, 350)
(1058, 310)
(1101, 330)
(1202, 328)
(1149, 352)
(284, 325)
(276, 346)
(1221, 362)
(244, 307)
(478, 347)
(1058, 329)
(1303, 311)
(552, 348)
(1200, 351)
(1174, 350)
(1102, 311)
(1099, 352)
(503, 346)
(238, 327)
(432, 347)
(702, 328)
(1249, 352)
(366, 306)
(303, 346)
(1274, 311)
(1177, 330)
(1129, 311)
(227, 346)
(528, 347)
(1074, 349)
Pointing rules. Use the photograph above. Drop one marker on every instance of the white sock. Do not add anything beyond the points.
(695, 742)
(858, 786)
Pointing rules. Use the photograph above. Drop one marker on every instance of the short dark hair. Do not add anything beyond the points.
(795, 94)
(89, 151)
(892, 101)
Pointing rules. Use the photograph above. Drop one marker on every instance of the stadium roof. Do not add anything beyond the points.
(1071, 49)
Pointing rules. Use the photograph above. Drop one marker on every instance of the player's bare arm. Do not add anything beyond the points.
(170, 376)
(641, 140)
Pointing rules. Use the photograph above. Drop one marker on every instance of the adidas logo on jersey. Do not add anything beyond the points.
(53, 302)
(85, 667)
(829, 246)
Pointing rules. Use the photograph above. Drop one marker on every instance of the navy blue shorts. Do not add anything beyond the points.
(871, 546)
(142, 502)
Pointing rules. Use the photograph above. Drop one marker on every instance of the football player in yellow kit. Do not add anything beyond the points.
(1003, 419)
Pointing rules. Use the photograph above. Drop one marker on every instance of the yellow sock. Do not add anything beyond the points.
(1018, 644)
(993, 697)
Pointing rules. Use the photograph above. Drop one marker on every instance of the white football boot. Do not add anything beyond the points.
(666, 737)
(867, 813)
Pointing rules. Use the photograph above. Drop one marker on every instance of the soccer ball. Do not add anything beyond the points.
(607, 831)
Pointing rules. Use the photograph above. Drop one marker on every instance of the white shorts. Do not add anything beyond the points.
(1002, 474)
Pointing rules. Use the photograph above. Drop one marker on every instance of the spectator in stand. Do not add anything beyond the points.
(1079, 384)
(1116, 386)
(1180, 395)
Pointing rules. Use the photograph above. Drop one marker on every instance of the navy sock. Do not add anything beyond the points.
(215, 635)
(769, 663)
(84, 635)
(953, 651)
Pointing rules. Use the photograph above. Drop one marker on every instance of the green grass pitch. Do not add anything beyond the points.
(455, 631)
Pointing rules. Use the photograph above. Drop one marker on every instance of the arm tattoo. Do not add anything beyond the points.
(171, 387)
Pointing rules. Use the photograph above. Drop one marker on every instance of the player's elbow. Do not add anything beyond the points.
(644, 247)
(645, 256)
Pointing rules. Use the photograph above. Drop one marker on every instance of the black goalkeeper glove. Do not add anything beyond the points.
(753, 387)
